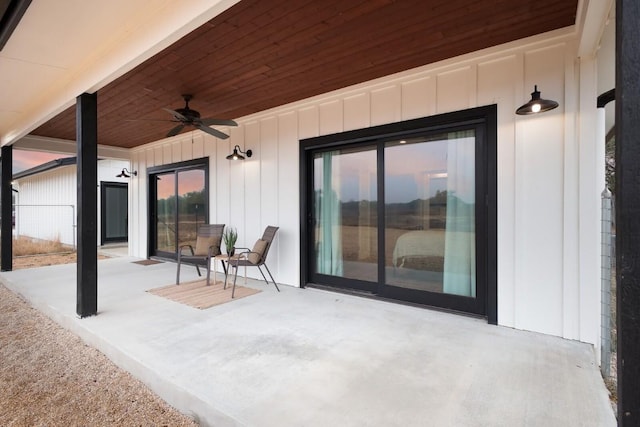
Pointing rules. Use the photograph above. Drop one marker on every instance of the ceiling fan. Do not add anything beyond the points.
(188, 117)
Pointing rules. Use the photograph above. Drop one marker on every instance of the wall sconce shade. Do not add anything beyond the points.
(238, 154)
(536, 105)
(126, 174)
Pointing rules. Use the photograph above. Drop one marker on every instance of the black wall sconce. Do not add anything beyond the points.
(536, 105)
(126, 174)
(238, 154)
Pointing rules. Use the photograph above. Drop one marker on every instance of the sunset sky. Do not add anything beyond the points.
(189, 181)
(23, 159)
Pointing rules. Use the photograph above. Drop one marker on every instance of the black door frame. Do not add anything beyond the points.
(484, 121)
(103, 212)
(152, 172)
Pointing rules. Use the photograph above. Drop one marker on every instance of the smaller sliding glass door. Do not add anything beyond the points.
(179, 203)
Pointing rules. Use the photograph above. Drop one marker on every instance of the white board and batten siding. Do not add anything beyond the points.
(47, 202)
(540, 258)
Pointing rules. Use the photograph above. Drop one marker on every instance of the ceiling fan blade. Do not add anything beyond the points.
(151, 120)
(212, 131)
(176, 130)
(218, 122)
(176, 114)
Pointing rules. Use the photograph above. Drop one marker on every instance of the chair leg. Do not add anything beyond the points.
(263, 276)
(270, 275)
(235, 276)
(224, 268)
(208, 270)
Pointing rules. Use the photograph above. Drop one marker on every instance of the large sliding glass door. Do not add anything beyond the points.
(404, 217)
(179, 203)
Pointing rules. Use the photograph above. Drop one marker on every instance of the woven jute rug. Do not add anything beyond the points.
(197, 294)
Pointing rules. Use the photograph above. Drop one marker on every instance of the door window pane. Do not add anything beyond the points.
(116, 212)
(345, 216)
(430, 214)
(191, 205)
(165, 212)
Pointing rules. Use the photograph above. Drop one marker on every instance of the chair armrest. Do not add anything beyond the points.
(244, 255)
(239, 255)
(185, 246)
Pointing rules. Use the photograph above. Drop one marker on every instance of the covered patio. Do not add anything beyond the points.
(316, 358)
(293, 82)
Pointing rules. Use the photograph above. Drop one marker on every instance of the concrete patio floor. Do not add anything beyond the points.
(307, 357)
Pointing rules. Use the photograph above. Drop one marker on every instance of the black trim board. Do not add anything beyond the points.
(398, 129)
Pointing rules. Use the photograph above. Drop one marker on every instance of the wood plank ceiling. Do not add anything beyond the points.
(261, 54)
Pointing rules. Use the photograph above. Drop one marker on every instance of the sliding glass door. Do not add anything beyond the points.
(179, 204)
(403, 217)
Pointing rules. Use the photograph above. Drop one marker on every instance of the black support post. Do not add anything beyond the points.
(628, 209)
(87, 163)
(6, 209)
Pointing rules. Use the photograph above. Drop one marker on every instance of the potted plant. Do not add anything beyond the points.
(230, 236)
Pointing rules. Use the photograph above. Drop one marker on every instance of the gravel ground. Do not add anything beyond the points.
(49, 377)
(30, 261)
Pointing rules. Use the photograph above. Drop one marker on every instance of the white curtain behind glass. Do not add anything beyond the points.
(327, 213)
(460, 242)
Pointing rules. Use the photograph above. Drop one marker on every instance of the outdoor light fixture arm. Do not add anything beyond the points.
(238, 154)
(126, 173)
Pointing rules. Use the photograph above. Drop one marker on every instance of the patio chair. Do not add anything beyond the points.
(208, 239)
(255, 257)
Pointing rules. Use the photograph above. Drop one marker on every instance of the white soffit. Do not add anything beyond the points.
(62, 146)
(64, 48)
(591, 21)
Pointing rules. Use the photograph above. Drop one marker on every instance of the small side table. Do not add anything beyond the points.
(226, 258)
